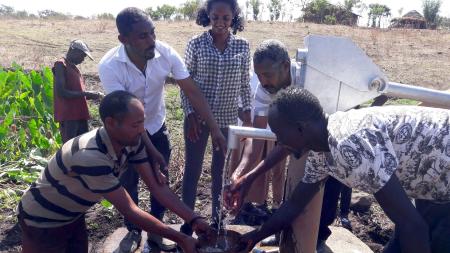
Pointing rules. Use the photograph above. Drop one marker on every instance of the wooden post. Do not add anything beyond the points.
(301, 237)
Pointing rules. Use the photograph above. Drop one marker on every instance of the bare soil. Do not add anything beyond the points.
(419, 57)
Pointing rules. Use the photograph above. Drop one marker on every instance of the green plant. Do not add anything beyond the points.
(330, 20)
(28, 133)
(189, 9)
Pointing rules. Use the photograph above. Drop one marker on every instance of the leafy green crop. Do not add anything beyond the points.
(27, 130)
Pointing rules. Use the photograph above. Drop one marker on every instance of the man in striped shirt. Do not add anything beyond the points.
(85, 170)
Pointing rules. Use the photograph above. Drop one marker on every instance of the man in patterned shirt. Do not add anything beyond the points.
(85, 170)
(395, 153)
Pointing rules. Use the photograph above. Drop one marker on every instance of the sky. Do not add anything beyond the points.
(91, 7)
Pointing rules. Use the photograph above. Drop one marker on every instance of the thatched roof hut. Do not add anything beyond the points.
(412, 19)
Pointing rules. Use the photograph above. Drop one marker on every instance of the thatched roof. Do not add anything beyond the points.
(413, 14)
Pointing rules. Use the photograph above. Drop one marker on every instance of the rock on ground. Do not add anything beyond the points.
(343, 241)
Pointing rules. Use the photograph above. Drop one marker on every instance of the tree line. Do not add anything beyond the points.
(316, 11)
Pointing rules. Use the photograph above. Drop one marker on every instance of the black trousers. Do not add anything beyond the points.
(437, 216)
(130, 178)
(333, 189)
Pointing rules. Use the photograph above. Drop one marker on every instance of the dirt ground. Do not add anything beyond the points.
(419, 57)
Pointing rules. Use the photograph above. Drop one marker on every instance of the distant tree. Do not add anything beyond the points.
(166, 11)
(275, 9)
(6, 10)
(255, 5)
(444, 22)
(430, 12)
(349, 4)
(78, 17)
(154, 14)
(51, 14)
(376, 13)
(189, 9)
(316, 11)
(330, 20)
(21, 14)
(105, 15)
(321, 11)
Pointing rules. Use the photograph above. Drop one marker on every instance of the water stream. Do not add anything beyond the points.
(225, 182)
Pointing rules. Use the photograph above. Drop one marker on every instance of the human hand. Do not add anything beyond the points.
(246, 119)
(94, 95)
(201, 227)
(234, 194)
(188, 244)
(248, 241)
(158, 165)
(218, 140)
(193, 127)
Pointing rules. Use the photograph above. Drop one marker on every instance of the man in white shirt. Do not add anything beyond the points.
(275, 71)
(392, 152)
(140, 65)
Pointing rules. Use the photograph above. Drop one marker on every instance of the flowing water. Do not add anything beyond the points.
(225, 182)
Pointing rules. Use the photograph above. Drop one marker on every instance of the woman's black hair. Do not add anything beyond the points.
(237, 24)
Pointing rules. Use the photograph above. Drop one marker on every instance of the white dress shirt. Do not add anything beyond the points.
(117, 72)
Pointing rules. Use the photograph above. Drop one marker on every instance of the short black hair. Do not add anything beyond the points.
(237, 24)
(298, 105)
(273, 50)
(115, 104)
(129, 16)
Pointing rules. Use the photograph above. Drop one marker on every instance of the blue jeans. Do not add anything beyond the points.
(130, 178)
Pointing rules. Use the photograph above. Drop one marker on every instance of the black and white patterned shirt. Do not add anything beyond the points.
(222, 77)
(368, 145)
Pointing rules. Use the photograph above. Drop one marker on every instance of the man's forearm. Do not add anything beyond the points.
(148, 143)
(165, 195)
(251, 154)
(277, 154)
(65, 93)
(150, 224)
(289, 210)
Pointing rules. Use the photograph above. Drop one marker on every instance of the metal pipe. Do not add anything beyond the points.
(237, 132)
(418, 93)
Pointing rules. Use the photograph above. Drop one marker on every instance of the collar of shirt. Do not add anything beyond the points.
(106, 141)
(70, 64)
(230, 40)
(122, 56)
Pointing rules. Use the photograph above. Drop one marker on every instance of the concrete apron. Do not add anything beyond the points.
(301, 236)
(111, 244)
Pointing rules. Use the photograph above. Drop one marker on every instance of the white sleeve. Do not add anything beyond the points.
(179, 70)
(261, 101)
(316, 168)
(365, 159)
(109, 78)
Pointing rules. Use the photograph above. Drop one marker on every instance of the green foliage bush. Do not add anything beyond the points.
(27, 129)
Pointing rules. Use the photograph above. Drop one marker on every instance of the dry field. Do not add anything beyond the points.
(419, 57)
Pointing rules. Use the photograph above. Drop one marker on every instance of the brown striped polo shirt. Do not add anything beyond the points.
(75, 178)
